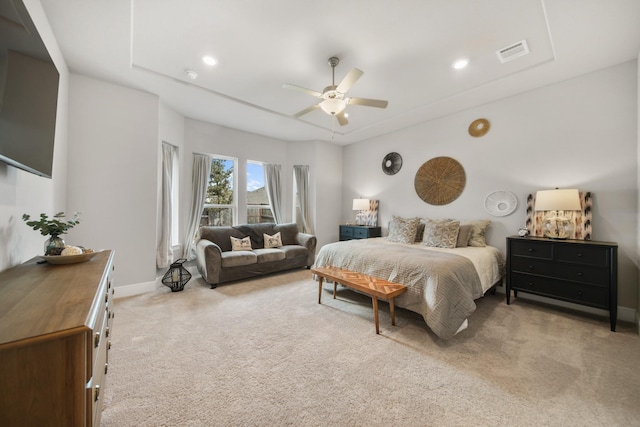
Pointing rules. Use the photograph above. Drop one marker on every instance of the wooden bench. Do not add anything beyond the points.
(372, 286)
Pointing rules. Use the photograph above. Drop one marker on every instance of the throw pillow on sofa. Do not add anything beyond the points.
(243, 244)
(274, 241)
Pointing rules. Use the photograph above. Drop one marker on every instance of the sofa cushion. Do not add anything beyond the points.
(288, 232)
(256, 232)
(220, 235)
(269, 254)
(293, 251)
(274, 241)
(243, 244)
(238, 258)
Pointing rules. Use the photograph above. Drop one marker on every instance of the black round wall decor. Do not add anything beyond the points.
(392, 163)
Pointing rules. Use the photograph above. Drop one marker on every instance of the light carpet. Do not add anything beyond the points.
(262, 352)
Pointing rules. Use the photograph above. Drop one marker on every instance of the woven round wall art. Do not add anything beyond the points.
(440, 181)
(479, 127)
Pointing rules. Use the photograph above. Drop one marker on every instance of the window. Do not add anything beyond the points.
(220, 200)
(258, 208)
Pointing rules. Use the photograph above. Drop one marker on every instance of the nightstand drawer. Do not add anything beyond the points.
(532, 249)
(577, 273)
(591, 255)
(349, 232)
(594, 296)
(361, 233)
(346, 231)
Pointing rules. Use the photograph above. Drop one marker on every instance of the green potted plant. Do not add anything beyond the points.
(53, 227)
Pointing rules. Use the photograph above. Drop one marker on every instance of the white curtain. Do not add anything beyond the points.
(164, 255)
(274, 190)
(199, 182)
(301, 174)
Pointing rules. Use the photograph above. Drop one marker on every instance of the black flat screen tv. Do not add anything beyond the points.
(28, 93)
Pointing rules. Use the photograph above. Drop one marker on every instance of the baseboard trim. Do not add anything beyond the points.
(143, 288)
(136, 289)
(626, 314)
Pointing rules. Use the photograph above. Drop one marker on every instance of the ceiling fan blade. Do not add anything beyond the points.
(306, 110)
(303, 90)
(342, 119)
(378, 103)
(349, 80)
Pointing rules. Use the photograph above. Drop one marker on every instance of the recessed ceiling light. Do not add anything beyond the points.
(209, 60)
(460, 64)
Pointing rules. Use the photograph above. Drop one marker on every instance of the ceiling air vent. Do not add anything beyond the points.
(513, 51)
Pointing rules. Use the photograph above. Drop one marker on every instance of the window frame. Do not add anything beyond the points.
(234, 182)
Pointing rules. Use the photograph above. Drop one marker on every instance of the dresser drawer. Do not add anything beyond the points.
(591, 255)
(594, 296)
(532, 249)
(577, 273)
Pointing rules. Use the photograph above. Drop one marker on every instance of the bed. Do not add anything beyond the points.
(442, 282)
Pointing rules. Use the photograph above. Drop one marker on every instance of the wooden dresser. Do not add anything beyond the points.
(577, 271)
(55, 322)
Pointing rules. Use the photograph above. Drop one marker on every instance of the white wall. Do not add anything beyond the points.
(22, 192)
(112, 175)
(580, 133)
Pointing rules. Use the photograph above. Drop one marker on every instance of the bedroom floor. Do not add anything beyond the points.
(264, 352)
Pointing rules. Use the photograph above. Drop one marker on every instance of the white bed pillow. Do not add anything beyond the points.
(274, 241)
(441, 233)
(243, 244)
(403, 230)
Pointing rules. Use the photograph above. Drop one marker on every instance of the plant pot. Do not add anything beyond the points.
(53, 246)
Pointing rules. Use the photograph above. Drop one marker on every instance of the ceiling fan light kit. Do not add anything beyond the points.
(332, 99)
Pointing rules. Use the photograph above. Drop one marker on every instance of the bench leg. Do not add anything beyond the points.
(335, 286)
(375, 313)
(319, 288)
(392, 311)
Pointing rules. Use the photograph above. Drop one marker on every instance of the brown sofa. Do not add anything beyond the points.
(217, 263)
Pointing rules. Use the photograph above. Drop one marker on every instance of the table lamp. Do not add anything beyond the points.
(360, 205)
(555, 224)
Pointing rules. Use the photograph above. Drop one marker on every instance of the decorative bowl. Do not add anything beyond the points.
(68, 259)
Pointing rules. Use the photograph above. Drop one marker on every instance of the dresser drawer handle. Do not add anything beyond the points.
(106, 368)
(96, 393)
(579, 273)
(579, 255)
(580, 293)
(531, 267)
(96, 340)
(106, 332)
(530, 249)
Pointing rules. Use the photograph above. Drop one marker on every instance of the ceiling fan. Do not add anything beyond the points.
(332, 99)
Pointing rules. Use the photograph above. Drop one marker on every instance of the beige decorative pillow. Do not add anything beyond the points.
(274, 241)
(243, 244)
(478, 233)
(441, 233)
(463, 236)
(403, 230)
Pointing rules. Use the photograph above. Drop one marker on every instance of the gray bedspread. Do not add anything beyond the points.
(442, 286)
